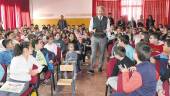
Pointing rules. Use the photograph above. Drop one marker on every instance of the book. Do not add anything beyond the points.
(14, 87)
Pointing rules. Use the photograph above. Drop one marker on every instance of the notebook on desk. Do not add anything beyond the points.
(14, 87)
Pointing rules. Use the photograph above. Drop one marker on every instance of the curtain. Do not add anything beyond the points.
(158, 10)
(111, 6)
(14, 13)
(168, 7)
(94, 5)
(25, 12)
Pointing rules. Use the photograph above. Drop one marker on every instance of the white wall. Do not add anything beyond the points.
(51, 9)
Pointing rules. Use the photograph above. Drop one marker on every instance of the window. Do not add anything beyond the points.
(131, 8)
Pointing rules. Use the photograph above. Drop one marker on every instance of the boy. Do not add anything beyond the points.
(120, 54)
(123, 41)
(154, 43)
(43, 56)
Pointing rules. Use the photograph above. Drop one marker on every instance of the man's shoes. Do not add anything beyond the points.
(90, 71)
(100, 70)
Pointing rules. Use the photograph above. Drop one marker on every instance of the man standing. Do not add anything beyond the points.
(62, 23)
(99, 26)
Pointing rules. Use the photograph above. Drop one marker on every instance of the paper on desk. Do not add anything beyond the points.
(14, 87)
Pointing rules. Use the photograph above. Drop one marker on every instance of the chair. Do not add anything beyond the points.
(110, 65)
(119, 85)
(52, 79)
(71, 81)
(58, 58)
(108, 90)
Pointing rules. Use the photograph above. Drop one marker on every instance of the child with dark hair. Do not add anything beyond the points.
(145, 37)
(72, 55)
(142, 82)
(123, 40)
(51, 46)
(6, 55)
(123, 60)
(155, 45)
(60, 43)
(43, 56)
(64, 38)
(142, 37)
(31, 37)
(120, 54)
(23, 61)
(10, 35)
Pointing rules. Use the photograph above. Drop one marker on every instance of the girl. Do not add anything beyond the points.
(51, 46)
(23, 61)
(64, 38)
(72, 55)
(44, 57)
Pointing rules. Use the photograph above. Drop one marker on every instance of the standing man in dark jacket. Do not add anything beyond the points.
(99, 27)
(62, 23)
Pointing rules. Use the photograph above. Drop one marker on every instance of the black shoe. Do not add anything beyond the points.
(100, 70)
(90, 71)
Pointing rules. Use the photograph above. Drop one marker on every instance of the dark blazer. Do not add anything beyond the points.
(62, 24)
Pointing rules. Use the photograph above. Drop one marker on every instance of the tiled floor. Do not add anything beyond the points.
(86, 85)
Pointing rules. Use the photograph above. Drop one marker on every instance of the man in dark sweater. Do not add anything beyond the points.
(62, 23)
(99, 27)
(123, 60)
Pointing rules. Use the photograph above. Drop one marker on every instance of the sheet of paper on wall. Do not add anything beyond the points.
(14, 87)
